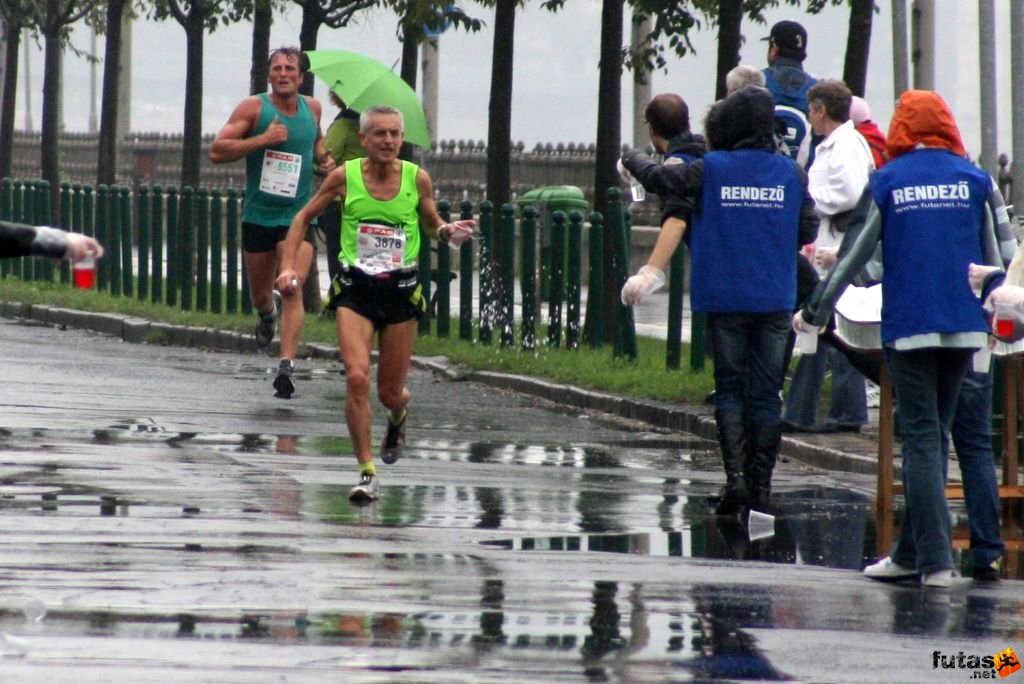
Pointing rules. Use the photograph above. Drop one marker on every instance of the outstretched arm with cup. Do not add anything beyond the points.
(20, 239)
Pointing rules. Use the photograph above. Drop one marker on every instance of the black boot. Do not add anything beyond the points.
(764, 452)
(732, 438)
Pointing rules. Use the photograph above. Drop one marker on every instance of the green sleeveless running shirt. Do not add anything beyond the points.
(380, 235)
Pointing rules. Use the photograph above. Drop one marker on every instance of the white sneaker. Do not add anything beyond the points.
(886, 570)
(366, 491)
(941, 579)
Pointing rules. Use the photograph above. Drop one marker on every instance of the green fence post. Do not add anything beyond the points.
(172, 278)
(43, 217)
(556, 291)
(595, 282)
(202, 227)
(625, 332)
(186, 245)
(674, 341)
(102, 226)
(124, 207)
(572, 280)
(216, 255)
(528, 275)
(18, 214)
(89, 217)
(6, 265)
(157, 254)
(66, 224)
(444, 282)
(466, 280)
(143, 215)
(114, 237)
(231, 244)
(485, 296)
(508, 275)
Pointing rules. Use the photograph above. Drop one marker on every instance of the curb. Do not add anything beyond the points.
(697, 420)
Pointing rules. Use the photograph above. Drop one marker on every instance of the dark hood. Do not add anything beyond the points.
(745, 119)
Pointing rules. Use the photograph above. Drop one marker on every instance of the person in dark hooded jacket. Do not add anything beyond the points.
(752, 212)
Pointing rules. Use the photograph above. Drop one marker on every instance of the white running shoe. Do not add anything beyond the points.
(366, 491)
(940, 579)
(886, 570)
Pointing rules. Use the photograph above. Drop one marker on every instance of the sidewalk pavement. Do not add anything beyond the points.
(846, 452)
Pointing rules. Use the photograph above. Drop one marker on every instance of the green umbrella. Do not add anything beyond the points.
(363, 82)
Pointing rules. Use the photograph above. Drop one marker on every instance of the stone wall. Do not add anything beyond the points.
(458, 168)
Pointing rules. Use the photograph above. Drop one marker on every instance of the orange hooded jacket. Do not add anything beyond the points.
(923, 119)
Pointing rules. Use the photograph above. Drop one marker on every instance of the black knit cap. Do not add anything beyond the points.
(791, 39)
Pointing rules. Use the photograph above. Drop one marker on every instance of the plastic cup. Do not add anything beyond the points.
(807, 342)
(760, 525)
(84, 272)
(1002, 323)
(638, 192)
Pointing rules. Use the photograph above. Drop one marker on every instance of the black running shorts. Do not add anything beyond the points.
(384, 299)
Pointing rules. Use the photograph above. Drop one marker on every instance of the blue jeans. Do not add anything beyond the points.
(848, 404)
(749, 351)
(972, 439)
(927, 384)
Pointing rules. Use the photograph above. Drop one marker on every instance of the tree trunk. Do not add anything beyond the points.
(609, 137)
(193, 127)
(49, 148)
(730, 20)
(12, 41)
(106, 172)
(499, 126)
(262, 20)
(411, 35)
(307, 41)
(858, 46)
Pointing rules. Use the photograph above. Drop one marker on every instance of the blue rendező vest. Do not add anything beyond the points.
(744, 238)
(933, 210)
(270, 209)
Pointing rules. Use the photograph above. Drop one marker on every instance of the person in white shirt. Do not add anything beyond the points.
(836, 180)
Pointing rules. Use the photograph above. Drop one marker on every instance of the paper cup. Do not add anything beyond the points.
(84, 272)
(760, 525)
(807, 342)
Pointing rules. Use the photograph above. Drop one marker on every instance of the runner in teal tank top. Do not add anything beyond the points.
(388, 202)
(278, 134)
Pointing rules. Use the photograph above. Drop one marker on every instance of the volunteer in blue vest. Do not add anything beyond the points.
(388, 204)
(788, 83)
(928, 208)
(278, 134)
(751, 213)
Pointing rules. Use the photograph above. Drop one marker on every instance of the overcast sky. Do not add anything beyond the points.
(555, 77)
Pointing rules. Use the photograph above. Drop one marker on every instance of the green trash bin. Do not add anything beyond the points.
(547, 201)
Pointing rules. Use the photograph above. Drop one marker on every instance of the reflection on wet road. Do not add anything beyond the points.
(166, 520)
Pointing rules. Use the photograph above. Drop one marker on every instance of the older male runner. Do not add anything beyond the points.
(386, 203)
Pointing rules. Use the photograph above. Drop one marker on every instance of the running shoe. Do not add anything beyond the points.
(394, 439)
(987, 573)
(267, 325)
(284, 388)
(366, 491)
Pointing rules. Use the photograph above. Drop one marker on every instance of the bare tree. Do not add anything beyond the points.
(14, 14)
(106, 168)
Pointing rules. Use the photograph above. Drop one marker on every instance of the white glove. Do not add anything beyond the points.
(976, 274)
(82, 246)
(457, 232)
(825, 257)
(647, 280)
(1009, 297)
(626, 175)
(800, 326)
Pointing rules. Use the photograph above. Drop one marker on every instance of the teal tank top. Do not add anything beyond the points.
(279, 180)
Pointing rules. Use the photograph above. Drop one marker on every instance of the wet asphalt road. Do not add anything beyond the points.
(165, 519)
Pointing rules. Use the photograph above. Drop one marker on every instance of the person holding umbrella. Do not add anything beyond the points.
(386, 203)
(278, 134)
